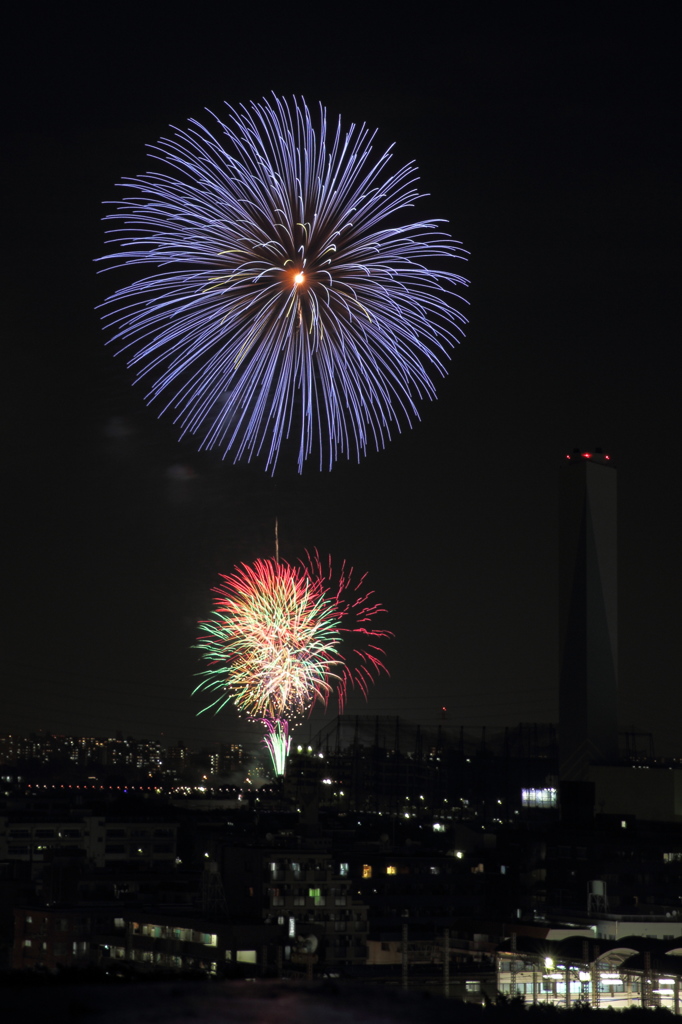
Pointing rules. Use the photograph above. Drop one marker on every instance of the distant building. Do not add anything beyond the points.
(141, 940)
(588, 727)
(96, 840)
(82, 751)
(308, 892)
(648, 792)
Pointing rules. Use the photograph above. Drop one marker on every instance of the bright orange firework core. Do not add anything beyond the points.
(298, 278)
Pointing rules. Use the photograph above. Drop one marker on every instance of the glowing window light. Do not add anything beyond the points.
(545, 797)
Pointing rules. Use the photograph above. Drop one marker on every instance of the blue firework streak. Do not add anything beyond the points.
(285, 305)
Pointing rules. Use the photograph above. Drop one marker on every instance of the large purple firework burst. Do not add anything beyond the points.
(285, 302)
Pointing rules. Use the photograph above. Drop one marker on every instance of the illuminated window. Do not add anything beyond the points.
(544, 798)
(246, 956)
(366, 870)
(391, 869)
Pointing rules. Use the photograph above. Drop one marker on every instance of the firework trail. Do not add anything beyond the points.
(287, 299)
(278, 742)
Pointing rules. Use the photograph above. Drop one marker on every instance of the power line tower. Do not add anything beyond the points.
(213, 900)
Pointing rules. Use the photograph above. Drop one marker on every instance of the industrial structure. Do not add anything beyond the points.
(588, 614)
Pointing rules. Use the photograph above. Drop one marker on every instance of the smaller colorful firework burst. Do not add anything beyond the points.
(282, 637)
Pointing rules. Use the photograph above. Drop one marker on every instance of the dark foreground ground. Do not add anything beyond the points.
(274, 1003)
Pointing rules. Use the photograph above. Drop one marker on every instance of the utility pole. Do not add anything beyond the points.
(512, 984)
(405, 917)
(568, 987)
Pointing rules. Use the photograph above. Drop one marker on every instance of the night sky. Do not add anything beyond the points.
(551, 148)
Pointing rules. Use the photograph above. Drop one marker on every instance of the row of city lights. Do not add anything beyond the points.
(233, 790)
(603, 976)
